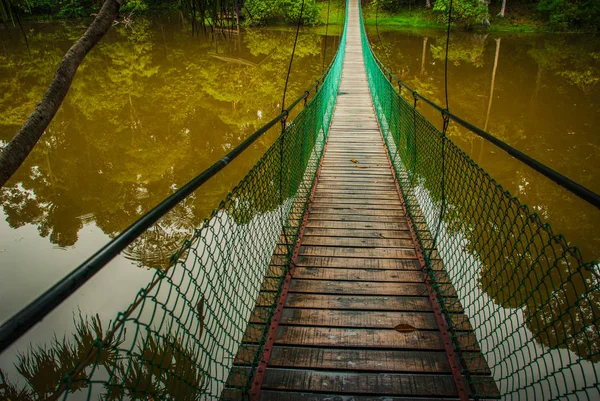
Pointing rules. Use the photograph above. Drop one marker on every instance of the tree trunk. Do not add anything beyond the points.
(428, 4)
(15, 153)
(425, 38)
(489, 109)
(503, 9)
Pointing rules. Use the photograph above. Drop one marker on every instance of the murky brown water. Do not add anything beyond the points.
(539, 93)
(151, 107)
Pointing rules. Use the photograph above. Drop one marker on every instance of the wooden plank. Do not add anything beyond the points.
(380, 253)
(344, 232)
(358, 206)
(358, 217)
(359, 263)
(359, 383)
(360, 180)
(357, 197)
(348, 200)
(358, 338)
(357, 287)
(358, 319)
(360, 359)
(321, 273)
(353, 185)
(273, 395)
(364, 302)
(357, 225)
(355, 211)
(358, 242)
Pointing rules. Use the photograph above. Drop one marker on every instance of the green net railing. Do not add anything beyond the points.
(180, 337)
(532, 300)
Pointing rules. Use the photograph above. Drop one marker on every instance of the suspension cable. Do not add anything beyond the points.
(446, 122)
(283, 125)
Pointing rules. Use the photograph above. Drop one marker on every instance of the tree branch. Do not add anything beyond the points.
(15, 153)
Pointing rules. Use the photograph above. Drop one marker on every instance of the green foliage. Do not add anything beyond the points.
(262, 12)
(135, 6)
(571, 14)
(160, 366)
(465, 13)
(291, 9)
(387, 5)
(43, 367)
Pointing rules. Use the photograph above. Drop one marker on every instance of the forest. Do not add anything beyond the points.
(544, 15)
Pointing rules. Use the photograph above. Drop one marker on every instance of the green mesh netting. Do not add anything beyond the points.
(532, 300)
(180, 337)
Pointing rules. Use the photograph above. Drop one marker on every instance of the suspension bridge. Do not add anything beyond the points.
(364, 257)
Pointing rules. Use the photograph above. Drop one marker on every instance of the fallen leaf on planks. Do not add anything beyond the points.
(405, 328)
(354, 160)
(362, 166)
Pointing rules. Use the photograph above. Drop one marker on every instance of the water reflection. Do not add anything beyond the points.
(539, 93)
(150, 107)
(532, 300)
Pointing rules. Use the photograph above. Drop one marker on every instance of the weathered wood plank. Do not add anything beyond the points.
(359, 383)
(356, 211)
(358, 263)
(389, 276)
(380, 253)
(364, 302)
(358, 287)
(360, 359)
(344, 232)
(272, 395)
(359, 208)
(358, 338)
(353, 359)
(353, 185)
(358, 242)
(350, 200)
(350, 217)
(359, 319)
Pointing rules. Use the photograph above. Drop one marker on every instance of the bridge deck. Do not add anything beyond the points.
(358, 321)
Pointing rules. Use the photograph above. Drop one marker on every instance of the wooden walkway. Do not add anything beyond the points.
(358, 322)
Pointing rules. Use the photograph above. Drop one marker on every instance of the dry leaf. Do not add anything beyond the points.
(354, 160)
(404, 328)
(362, 166)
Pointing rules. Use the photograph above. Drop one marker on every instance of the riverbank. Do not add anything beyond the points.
(419, 17)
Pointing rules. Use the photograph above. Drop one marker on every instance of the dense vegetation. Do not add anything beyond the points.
(558, 15)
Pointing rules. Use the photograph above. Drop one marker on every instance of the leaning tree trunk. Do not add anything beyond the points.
(503, 9)
(489, 109)
(425, 39)
(15, 153)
